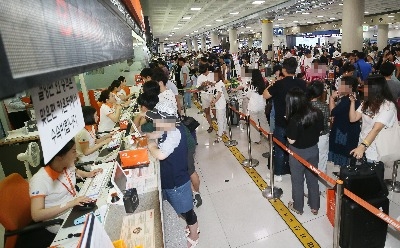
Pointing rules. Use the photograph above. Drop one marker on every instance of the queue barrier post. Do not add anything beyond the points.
(250, 162)
(230, 142)
(392, 184)
(338, 210)
(271, 192)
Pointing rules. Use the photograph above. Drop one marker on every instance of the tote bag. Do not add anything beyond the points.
(388, 143)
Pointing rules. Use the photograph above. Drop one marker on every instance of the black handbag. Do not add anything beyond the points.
(190, 122)
(364, 179)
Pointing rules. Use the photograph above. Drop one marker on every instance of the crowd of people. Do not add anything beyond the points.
(318, 119)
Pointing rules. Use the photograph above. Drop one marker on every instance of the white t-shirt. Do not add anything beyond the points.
(106, 124)
(48, 183)
(171, 86)
(203, 78)
(121, 93)
(387, 115)
(82, 137)
(256, 101)
(168, 96)
(117, 98)
(184, 70)
(221, 103)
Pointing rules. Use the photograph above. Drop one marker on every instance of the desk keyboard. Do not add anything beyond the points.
(93, 186)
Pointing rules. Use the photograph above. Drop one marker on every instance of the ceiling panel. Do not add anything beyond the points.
(167, 16)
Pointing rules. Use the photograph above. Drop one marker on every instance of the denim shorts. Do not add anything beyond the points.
(180, 198)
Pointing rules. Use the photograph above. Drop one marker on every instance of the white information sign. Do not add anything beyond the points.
(58, 113)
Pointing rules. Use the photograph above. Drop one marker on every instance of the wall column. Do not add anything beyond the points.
(267, 37)
(383, 31)
(353, 19)
(233, 43)
(161, 50)
(214, 39)
(195, 45)
(203, 44)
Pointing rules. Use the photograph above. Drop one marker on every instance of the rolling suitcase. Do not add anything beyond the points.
(364, 179)
(234, 116)
(359, 228)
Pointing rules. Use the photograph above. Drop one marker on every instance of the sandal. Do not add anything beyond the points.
(187, 231)
(193, 243)
(314, 212)
(209, 130)
(290, 206)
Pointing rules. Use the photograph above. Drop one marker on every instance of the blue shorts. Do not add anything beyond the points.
(180, 198)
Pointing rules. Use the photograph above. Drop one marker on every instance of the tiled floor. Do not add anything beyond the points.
(234, 213)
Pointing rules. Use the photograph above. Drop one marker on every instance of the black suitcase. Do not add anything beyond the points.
(234, 116)
(364, 179)
(359, 228)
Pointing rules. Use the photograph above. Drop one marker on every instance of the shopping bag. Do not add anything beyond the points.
(388, 143)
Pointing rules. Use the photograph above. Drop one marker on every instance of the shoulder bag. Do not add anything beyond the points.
(388, 143)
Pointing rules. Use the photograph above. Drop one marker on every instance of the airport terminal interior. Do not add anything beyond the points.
(200, 123)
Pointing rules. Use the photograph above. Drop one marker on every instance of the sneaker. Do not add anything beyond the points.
(197, 201)
(278, 178)
(210, 129)
(218, 139)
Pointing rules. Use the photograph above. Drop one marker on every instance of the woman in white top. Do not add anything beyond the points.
(88, 145)
(115, 88)
(110, 111)
(219, 102)
(256, 105)
(52, 188)
(377, 112)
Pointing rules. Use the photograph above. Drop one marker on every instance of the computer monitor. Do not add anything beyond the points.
(119, 180)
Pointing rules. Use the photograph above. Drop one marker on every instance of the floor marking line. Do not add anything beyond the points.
(287, 216)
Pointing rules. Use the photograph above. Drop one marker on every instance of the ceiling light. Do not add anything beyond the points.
(340, 3)
(366, 12)
(166, 39)
(295, 21)
(191, 33)
(276, 25)
(320, 16)
(332, 18)
(251, 30)
(305, 13)
(242, 32)
(180, 24)
(170, 35)
(258, 2)
(208, 25)
(187, 35)
(281, 19)
(309, 22)
(186, 17)
(248, 27)
(196, 31)
(219, 20)
(390, 16)
(234, 13)
(195, 8)
(176, 28)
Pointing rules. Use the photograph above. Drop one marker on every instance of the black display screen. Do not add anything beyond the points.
(44, 40)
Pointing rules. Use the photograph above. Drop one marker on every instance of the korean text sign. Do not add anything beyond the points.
(58, 113)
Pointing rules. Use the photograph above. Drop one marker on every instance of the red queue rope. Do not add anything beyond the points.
(391, 221)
